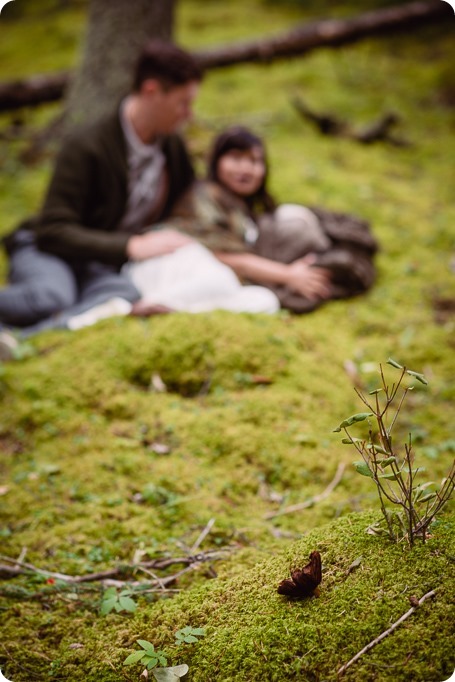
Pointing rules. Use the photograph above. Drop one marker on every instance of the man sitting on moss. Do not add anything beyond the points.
(113, 180)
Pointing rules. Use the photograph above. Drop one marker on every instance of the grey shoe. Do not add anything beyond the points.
(8, 344)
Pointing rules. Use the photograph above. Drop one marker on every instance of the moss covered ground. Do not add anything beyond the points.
(98, 468)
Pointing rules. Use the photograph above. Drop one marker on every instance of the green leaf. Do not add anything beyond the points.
(152, 663)
(392, 476)
(199, 632)
(387, 462)
(419, 489)
(360, 417)
(134, 658)
(170, 674)
(127, 604)
(426, 498)
(394, 364)
(148, 646)
(350, 441)
(377, 448)
(420, 377)
(189, 639)
(110, 592)
(107, 605)
(363, 469)
(376, 390)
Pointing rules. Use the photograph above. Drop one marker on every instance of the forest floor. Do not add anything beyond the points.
(101, 471)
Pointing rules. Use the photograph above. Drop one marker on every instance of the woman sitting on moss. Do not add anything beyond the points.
(304, 256)
(233, 215)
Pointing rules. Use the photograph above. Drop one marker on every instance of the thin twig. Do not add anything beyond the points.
(147, 571)
(107, 577)
(313, 500)
(386, 632)
(203, 535)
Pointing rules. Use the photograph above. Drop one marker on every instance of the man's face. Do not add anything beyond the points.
(173, 107)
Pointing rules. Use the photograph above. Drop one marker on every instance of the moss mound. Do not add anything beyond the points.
(202, 353)
(366, 586)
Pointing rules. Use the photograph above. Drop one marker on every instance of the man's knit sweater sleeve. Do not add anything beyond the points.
(84, 203)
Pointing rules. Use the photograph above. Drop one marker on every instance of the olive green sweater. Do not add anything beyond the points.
(87, 195)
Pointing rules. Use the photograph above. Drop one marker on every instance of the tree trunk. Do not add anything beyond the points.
(117, 30)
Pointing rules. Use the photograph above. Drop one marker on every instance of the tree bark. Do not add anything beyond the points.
(117, 30)
(93, 87)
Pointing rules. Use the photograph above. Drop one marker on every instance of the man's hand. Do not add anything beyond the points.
(311, 282)
(158, 243)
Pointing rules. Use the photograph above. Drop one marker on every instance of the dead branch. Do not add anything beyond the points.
(387, 632)
(14, 567)
(299, 41)
(313, 500)
(327, 124)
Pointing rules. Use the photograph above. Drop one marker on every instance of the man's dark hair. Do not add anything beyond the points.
(242, 139)
(167, 63)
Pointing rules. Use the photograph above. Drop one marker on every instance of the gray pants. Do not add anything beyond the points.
(44, 291)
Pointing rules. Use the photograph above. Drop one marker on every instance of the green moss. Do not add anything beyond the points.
(250, 628)
(251, 401)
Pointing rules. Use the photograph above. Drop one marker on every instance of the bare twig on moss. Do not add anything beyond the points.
(387, 632)
(313, 500)
(202, 536)
(14, 567)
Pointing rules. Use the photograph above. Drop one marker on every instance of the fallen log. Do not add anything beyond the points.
(299, 41)
(32, 91)
(328, 33)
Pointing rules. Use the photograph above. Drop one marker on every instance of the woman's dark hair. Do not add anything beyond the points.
(167, 63)
(242, 139)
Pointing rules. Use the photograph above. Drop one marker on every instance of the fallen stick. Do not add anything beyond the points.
(202, 536)
(19, 568)
(313, 500)
(386, 632)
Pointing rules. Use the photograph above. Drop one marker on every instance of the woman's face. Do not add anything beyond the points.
(242, 170)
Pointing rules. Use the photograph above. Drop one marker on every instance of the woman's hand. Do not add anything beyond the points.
(307, 280)
(300, 276)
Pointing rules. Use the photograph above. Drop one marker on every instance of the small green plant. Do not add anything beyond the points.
(188, 635)
(408, 507)
(117, 601)
(148, 656)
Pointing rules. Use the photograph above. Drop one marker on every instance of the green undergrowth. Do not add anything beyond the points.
(249, 628)
(100, 466)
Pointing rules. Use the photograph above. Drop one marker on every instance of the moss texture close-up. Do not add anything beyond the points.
(141, 440)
